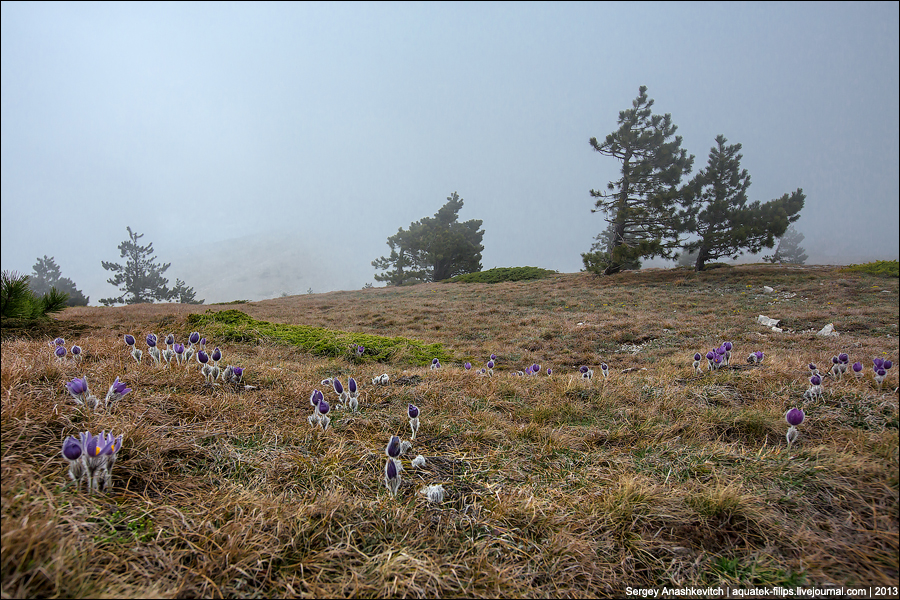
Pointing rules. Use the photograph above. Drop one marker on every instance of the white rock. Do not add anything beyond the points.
(828, 330)
(767, 289)
(764, 320)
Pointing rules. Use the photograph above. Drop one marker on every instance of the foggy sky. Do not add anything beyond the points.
(270, 148)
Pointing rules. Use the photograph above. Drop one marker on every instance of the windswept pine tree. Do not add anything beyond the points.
(434, 248)
(47, 275)
(724, 220)
(643, 205)
(788, 250)
(141, 277)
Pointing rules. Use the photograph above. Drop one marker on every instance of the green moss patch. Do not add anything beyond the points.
(234, 325)
(502, 274)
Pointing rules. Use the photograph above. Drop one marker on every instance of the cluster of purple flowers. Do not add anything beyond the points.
(59, 349)
(881, 368)
(321, 408)
(349, 396)
(91, 458)
(840, 364)
(534, 369)
(80, 392)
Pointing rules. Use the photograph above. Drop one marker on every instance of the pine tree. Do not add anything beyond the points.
(600, 257)
(141, 277)
(726, 223)
(789, 251)
(434, 248)
(643, 204)
(47, 275)
(184, 294)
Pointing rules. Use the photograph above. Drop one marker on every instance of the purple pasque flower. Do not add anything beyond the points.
(527, 370)
(203, 344)
(393, 447)
(793, 417)
(324, 419)
(392, 477)
(129, 339)
(816, 379)
(338, 386)
(604, 369)
(759, 356)
(880, 374)
(170, 339)
(812, 368)
(844, 358)
(78, 388)
(194, 338)
(202, 357)
(435, 364)
(152, 340)
(468, 366)
(72, 451)
(76, 351)
(697, 358)
(878, 363)
(116, 392)
(549, 371)
(413, 412)
(586, 372)
(710, 356)
(857, 368)
(238, 373)
(535, 368)
(216, 355)
(96, 452)
(59, 342)
(352, 387)
(728, 346)
(886, 365)
(61, 352)
(493, 357)
(179, 352)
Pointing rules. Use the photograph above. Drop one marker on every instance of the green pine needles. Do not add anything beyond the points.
(19, 302)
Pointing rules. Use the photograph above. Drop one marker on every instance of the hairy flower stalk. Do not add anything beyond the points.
(815, 387)
(324, 419)
(152, 347)
(793, 417)
(205, 368)
(604, 369)
(342, 394)
(434, 493)
(697, 368)
(490, 367)
(413, 412)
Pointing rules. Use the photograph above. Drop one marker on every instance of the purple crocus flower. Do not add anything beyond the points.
(78, 388)
(72, 451)
(886, 365)
(794, 417)
(535, 368)
(413, 411)
(435, 364)
(216, 355)
(604, 368)
(194, 338)
(391, 477)
(202, 358)
(759, 356)
(549, 371)
(61, 352)
(352, 387)
(129, 339)
(116, 392)
(490, 364)
(170, 339)
(815, 379)
(238, 373)
(393, 447)
(844, 358)
(338, 386)
(858, 368)
(878, 362)
(151, 340)
(76, 351)
(468, 366)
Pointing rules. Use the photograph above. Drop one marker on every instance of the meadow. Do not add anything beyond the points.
(556, 486)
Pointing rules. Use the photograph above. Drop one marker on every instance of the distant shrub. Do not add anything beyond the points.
(502, 274)
(234, 325)
(879, 268)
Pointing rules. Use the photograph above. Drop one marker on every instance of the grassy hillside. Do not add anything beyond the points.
(555, 486)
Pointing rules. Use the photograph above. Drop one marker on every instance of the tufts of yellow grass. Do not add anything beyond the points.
(556, 486)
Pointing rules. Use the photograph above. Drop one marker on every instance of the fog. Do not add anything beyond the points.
(270, 149)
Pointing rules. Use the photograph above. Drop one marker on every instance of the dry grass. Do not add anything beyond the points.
(556, 486)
